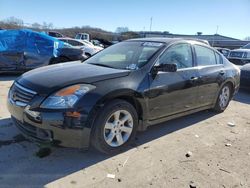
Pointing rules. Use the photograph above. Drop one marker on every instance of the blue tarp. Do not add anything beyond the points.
(25, 40)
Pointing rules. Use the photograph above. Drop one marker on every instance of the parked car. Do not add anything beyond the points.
(224, 51)
(82, 36)
(22, 50)
(240, 56)
(105, 43)
(245, 76)
(55, 34)
(124, 88)
(97, 43)
(88, 48)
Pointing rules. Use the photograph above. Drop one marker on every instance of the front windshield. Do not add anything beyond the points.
(126, 55)
(246, 46)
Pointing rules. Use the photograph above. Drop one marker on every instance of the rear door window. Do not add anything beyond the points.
(204, 56)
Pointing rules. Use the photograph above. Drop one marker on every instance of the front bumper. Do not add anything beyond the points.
(52, 128)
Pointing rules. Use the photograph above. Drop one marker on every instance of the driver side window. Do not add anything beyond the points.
(180, 54)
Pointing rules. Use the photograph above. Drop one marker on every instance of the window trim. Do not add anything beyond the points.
(220, 60)
(196, 62)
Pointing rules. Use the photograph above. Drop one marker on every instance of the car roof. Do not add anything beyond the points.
(67, 38)
(167, 40)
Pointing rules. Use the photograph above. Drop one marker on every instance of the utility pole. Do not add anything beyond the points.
(217, 28)
(151, 20)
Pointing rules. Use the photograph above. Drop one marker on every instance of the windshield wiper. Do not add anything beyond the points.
(103, 65)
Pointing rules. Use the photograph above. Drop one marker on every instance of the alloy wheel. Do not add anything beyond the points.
(224, 97)
(118, 128)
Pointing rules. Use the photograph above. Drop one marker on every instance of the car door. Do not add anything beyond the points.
(39, 50)
(174, 92)
(211, 74)
(12, 43)
(11, 61)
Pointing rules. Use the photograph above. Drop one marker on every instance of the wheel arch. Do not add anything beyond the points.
(231, 83)
(128, 95)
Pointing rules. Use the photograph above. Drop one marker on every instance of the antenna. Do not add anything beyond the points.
(151, 20)
(217, 28)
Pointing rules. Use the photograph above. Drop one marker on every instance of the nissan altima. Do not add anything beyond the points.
(125, 88)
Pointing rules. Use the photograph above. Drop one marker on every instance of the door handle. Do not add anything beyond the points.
(222, 72)
(193, 78)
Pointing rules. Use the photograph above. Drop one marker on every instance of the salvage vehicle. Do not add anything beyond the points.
(123, 89)
(245, 76)
(240, 56)
(54, 34)
(87, 47)
(22, 50)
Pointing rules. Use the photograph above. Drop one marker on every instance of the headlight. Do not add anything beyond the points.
(67, 97)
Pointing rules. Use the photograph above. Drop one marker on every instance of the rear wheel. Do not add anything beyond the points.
(115, 126)
(223, 98)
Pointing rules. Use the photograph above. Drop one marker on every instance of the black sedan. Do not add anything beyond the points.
(122, 89)
(22, 50)
(245, 77)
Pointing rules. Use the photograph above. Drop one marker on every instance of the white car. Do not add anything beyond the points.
(88, 48)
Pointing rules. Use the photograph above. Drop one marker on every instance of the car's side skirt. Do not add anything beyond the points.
(161, 120)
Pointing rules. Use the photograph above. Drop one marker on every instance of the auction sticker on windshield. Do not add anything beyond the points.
(152, 44)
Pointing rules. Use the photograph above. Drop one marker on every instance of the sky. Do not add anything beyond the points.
(226, 17)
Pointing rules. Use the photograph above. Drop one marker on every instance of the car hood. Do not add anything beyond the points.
(54, 77)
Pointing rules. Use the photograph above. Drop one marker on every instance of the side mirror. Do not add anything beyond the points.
(165, 68)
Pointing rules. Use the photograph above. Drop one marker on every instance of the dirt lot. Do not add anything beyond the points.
(219, 146)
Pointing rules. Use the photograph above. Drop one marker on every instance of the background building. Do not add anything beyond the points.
(215, 40)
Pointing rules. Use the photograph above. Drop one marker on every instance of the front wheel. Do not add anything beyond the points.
(223, 98)
(115, 126)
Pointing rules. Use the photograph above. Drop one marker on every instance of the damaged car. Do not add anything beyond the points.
(87, 47)
(22, 50)
(123, 89)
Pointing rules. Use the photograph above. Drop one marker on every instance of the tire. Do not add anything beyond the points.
(115, 127)
(223, 98)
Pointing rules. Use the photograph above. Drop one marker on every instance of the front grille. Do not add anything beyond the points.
(21, 94)
(236, 54)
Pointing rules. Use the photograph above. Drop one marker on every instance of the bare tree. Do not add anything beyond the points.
(47, 26)
(121, 29)
(14, 21)
(36, 25)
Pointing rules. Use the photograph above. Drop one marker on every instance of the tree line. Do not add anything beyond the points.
(122, 33)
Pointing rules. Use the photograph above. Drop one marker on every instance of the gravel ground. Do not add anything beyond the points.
(200, 150)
